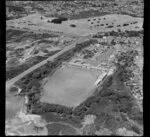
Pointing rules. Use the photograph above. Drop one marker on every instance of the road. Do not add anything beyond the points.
(51, 58)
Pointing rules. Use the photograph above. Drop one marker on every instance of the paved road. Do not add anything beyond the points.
(51, 58)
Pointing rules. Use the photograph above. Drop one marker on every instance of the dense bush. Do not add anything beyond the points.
(124, 61)
(14, 71)
(41, 108)
(135, 129)
(120, 33)
(126, 75)
(16, 9)
(20, 35)
(110, 26)
(87, 54)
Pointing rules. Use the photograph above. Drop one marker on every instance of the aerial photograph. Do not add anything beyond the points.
(74, 67)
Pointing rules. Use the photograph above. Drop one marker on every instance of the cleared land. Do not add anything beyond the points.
(83, 26)
(68, 86)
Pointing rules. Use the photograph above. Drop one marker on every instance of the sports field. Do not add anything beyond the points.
(69, 86)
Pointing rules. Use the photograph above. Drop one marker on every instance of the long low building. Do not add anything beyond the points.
(102, 77)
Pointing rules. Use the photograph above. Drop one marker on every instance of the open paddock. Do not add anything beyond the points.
(69, 86)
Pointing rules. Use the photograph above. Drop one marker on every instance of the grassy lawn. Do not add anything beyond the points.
(68, 86)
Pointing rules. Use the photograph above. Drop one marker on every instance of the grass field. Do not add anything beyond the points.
(69, 86)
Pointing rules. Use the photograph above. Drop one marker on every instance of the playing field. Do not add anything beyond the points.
(69, 86)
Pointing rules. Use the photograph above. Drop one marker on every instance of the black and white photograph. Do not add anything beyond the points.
(74, 67)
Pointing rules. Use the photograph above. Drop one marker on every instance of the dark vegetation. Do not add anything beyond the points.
(126, 24)
(54, 129)
(137, 116)
(136, 27)
(20, 35)
(16, 9)
(110, 26)
(124, 62)
(39, 9)
(14, 71)
(87, 53)
(118, 25)
(55, 117)
(59, 20)
(87, 14)
(11, 33)
(134, 22)
(48, 21)
(73, 25)
(13, 90)
(135, 129)
(45, 41)
(17, 52)
(31, 24)
(120, 33)
(49, 53)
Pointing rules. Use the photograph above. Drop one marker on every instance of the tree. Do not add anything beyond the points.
(48, 21)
